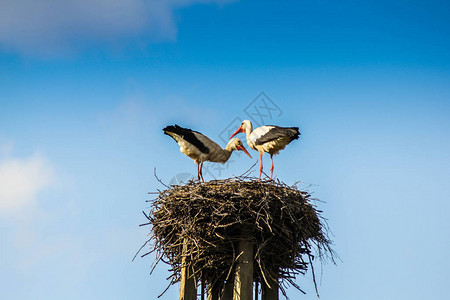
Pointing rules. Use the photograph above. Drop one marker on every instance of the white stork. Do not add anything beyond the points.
(200, 148)
(268, 138)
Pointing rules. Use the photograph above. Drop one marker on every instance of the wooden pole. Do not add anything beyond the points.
(243, 277)
(188, 289)
(272, 292)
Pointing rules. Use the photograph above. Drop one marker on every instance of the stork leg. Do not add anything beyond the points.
(198, 172)
(271, 166)
(201, 171)
(260, 166)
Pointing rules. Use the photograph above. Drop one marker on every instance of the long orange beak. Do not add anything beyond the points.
(245, 150)
(237, 131)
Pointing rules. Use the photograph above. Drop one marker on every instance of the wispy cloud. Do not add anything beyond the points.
(21, 180)
(58, 27)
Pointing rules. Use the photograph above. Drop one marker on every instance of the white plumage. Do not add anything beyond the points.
(200, 148)
(267, 138)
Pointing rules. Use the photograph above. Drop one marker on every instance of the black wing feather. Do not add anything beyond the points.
(278, 132)
(188, 135)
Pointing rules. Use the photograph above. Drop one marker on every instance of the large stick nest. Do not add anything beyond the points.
(281, 221)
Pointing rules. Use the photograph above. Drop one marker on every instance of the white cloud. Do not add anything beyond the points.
(21, 180)
(52, 27)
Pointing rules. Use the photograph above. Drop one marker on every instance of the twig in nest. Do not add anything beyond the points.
(249, 169)
(160, 181)
(313, 274)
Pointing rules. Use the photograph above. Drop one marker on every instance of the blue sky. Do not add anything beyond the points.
(86, 88)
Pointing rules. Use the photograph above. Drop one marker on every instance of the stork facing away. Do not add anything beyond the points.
(267, 138)
(200, 148)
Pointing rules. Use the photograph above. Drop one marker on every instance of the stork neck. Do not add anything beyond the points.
(248, 132)
(229, 148)
(225, 154)
(248, 129)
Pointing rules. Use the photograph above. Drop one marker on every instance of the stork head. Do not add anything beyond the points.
(246, 126)
(236, 144)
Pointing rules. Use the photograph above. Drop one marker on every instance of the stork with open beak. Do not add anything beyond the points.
(200, 148)
(267, 138)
